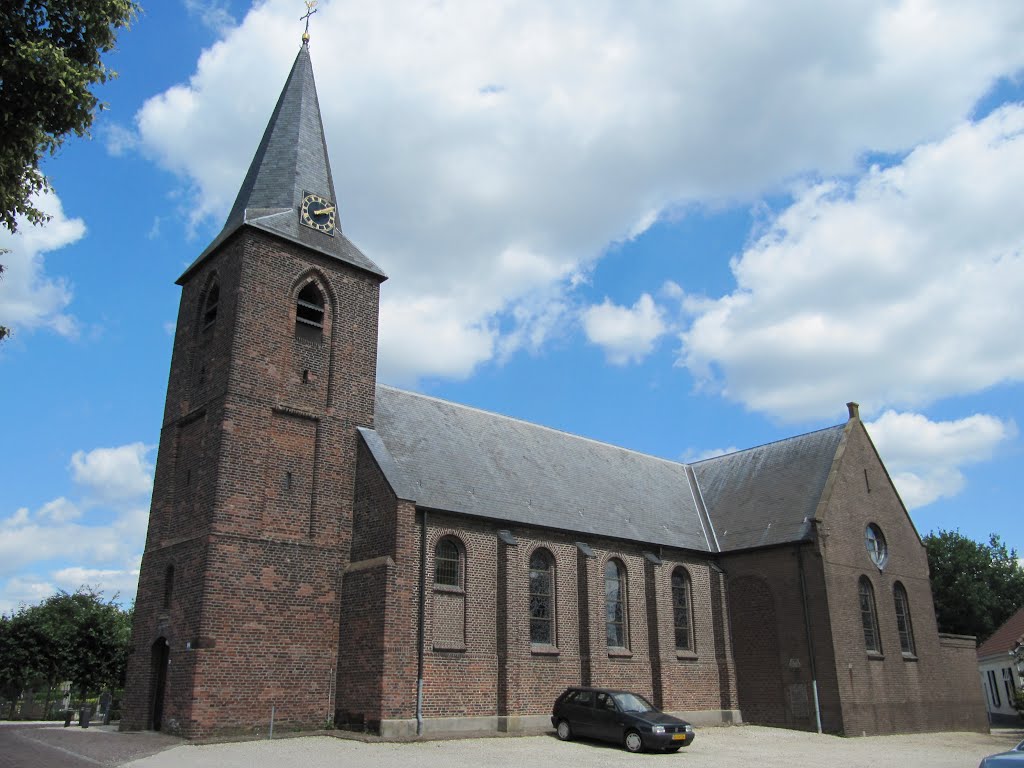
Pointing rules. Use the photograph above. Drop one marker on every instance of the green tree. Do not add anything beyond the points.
(86, 639)
(25, 651)
(976, 586)
(14, 669)
(77, 637)
(50, 57)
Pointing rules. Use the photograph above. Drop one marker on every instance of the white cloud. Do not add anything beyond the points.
(110, 581)
(672, 290)
(33, 589)
(27, 542)
(925, 458)
(426, 337)
(485, 152)
(60, 510)
(213, 14)
(627, 334)
(896, 290)
(115, 473)
(119, 140)
(693, 455)
(29, 297)
(96, 540)
(23, 591)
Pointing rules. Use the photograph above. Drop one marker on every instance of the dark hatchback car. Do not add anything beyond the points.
(618, 716)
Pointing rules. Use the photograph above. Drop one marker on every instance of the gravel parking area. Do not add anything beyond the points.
(727, 747)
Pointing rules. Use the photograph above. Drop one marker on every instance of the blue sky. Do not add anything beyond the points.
(681, 228)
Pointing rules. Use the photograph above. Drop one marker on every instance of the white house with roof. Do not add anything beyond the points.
(1000, 669)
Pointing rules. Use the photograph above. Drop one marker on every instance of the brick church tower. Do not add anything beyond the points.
(273, 369)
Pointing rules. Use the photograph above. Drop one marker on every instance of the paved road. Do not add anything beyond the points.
(49, 745)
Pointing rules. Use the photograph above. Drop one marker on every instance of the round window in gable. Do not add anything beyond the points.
(875, 543)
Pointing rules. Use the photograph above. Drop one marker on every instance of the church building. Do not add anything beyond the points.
(324, 550)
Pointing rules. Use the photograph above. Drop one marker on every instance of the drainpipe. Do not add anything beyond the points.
(421, 628)
(807, 628)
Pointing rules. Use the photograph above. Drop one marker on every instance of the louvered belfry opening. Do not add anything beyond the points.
(309, 313)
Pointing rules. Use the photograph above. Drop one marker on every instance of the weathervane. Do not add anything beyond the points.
(310, 10)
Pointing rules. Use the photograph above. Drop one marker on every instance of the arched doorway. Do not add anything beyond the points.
(160, 655)
(756, 650)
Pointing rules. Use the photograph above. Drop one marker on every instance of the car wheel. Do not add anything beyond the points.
(563, 730)
(634, 742)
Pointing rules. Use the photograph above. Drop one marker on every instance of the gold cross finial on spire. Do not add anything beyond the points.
(310, 10)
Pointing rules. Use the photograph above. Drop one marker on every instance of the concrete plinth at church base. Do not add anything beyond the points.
(442, 727)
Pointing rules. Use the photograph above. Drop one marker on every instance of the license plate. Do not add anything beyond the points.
(678, 737)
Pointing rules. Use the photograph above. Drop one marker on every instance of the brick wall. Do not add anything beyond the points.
(377, 664)
(478, 658)
(859, 693)
(255, 478)
(891, 692)
(297, 572)
(959, 699)
(773, 659)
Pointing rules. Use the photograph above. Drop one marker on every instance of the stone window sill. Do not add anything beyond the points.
(449, 588)
(620, 653)
(450, 648)
(542, 649)
(686, 655)
(876, 656)
(909, 657)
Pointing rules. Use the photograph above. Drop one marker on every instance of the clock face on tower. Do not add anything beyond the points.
(317, 213)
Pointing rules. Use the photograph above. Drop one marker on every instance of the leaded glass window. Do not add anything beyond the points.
(542, 591)
(681, 609)
(903, 624)
(869, 617)
(615, 602)
(448, 564)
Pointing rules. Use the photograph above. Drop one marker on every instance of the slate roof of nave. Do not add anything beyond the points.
(455, 458)
(768, 494)
(290, 161)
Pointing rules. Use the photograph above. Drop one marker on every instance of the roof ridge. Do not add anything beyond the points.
(771, 442)
(680, 464)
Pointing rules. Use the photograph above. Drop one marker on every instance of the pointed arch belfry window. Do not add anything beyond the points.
(309, 312)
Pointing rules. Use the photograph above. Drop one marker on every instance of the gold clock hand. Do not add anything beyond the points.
(324, 210)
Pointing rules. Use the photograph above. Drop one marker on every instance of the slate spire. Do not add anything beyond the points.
(291, 160)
